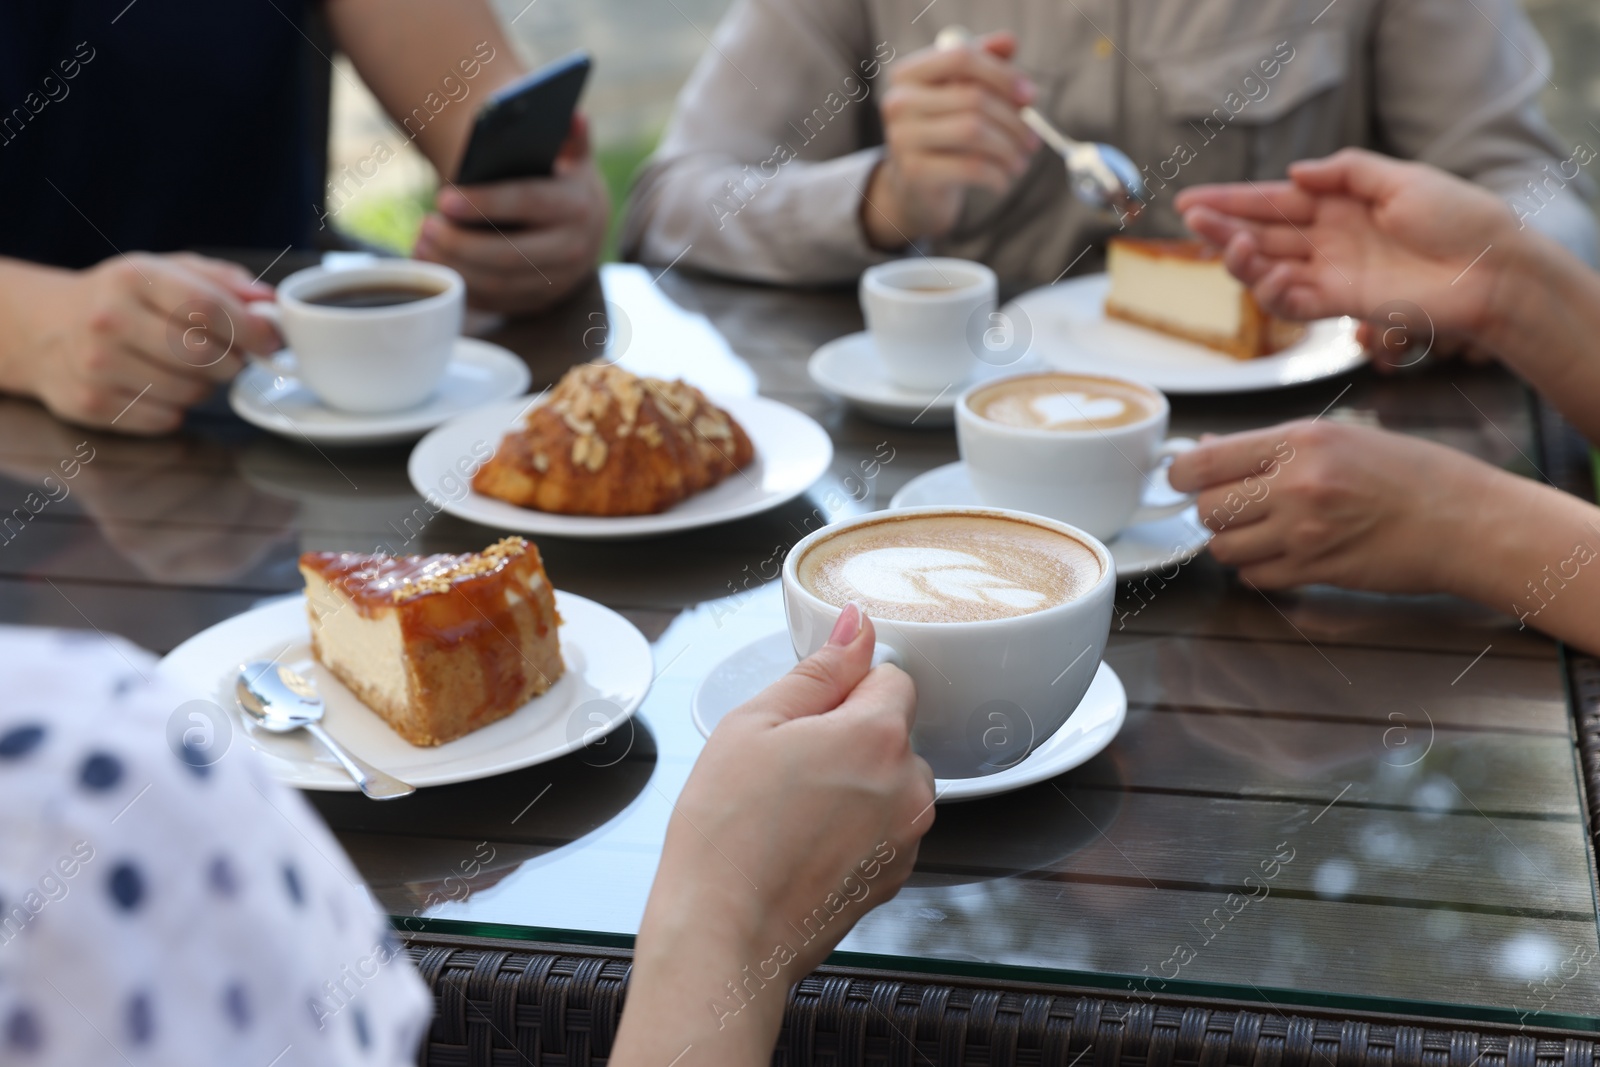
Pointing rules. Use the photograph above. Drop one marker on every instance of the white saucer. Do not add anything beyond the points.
(479, 373)
(1071, 332)
(1089, 729)
(609, 668)
(792, 452)
(849, 367)
(1138, 550)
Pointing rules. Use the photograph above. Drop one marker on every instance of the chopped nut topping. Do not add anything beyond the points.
(629, 399)
(488, 561)
(710, 426)
(578, 425)
(669, 404)
(589, 452)
(588, 395)
(589, 403)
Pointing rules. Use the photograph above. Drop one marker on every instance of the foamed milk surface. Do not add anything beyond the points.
(1062, 402)
(949, 568)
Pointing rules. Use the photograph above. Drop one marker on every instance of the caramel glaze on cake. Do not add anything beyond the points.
(1157, 283)
(607, 442)
(437, 645)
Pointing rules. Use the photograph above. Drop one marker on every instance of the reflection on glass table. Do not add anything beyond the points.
(1257, 829)
(172, 507)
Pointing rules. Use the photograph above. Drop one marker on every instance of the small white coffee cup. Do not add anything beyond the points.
(370, 359)
(923, 313)
(988, 691)
(1101, 479)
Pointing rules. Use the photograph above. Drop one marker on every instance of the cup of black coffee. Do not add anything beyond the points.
(374, 338)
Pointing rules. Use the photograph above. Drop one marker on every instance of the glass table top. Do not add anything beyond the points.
(1318, 797)
(1259, 826)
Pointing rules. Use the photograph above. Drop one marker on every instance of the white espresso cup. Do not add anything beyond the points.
(989, 691)
(1084, 465)
(923, 314)
(375, 358)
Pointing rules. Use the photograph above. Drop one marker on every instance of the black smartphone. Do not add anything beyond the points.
(521, 128)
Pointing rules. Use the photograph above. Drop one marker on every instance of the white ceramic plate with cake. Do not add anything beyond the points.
(850, 368)
(1178, 321)
(274, 398)
(1092, 726)
(607, 455)
(509, 688)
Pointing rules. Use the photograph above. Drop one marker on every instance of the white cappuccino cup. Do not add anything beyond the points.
(1090, 450)
(1000, 619)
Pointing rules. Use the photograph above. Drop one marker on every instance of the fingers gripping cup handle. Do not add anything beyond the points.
(882, 653)
(277, 363)
(1160, 499)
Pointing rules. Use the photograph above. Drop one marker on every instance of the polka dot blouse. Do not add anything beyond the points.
(162, 900)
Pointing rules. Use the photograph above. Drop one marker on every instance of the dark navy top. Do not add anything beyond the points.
(155, 126)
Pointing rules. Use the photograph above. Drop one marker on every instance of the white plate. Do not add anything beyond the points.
(792, 452)
(1082, 737)
(1137, 550)
(849, 367)
(609, 668)
(479, 373)
(1071, 332)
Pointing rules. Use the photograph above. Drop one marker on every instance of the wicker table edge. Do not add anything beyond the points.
(504, 1001)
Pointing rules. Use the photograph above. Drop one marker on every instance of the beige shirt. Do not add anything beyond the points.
(762, 170)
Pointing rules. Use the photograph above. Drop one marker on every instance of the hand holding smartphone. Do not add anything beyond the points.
(521, 225)
(522, 126)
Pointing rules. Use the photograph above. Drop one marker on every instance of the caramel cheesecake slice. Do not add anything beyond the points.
(1183, 289)
(439, 645)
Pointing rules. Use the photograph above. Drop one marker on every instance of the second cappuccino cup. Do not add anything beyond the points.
(1090, 450)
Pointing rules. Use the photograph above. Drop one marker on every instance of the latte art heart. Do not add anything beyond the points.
(949, 568)
(1070, 403)
(1056, 409)
(916, 575)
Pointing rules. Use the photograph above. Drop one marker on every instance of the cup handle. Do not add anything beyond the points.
(1175, 502)
(279, 363)
(882, 653)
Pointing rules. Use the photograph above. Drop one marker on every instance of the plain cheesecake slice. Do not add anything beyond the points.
(1182, 288)
(437, 645)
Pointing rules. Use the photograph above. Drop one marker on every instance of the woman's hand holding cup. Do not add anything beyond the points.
(803, 813)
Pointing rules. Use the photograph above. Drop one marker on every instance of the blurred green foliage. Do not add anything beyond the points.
(618, 164)
(389, 221)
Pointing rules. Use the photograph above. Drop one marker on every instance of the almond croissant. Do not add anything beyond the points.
(607, 442)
